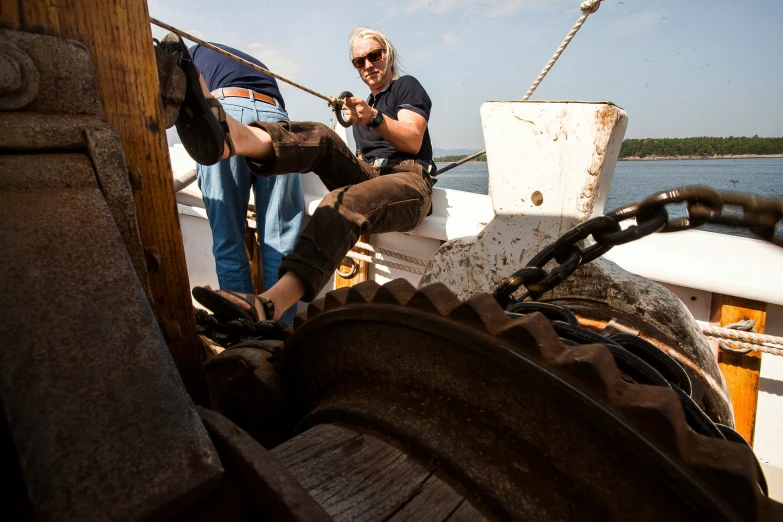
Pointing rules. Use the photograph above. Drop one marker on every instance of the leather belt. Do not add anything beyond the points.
(245, 93)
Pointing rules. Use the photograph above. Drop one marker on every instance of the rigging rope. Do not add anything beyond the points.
(588, 7)
(379, 260)
(391, 253)
(331, 100)
(740, 340)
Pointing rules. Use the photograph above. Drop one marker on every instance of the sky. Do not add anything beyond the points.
(679, 68)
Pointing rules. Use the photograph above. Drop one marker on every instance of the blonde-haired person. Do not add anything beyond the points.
(385, 187)
(361, 33)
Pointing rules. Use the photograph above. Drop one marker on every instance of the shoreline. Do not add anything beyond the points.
(736, 156)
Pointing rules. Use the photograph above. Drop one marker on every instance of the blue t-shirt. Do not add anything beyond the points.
(220, 71)
(403, 93)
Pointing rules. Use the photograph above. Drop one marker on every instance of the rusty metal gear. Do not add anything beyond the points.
(532, 428)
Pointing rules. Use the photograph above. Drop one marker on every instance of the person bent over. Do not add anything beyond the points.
(387, 188)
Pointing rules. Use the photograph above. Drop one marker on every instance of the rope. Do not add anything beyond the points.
(391, 253)
(747, 347)
(743, 341)
(743, 326)
(588, 7)
(379, 260)
(331, 100)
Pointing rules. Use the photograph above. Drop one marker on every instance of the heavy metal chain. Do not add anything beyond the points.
(761, 215)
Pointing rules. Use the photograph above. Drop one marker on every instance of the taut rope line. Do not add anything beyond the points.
(588, 7)
(331, 100)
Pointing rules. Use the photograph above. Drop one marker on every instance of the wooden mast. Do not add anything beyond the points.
(118, 36)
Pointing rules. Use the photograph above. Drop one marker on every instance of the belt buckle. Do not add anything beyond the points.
(380, 162)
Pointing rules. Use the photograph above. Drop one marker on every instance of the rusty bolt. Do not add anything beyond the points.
(537, 198)
(153, 259)
(135, 178)
(170, 329)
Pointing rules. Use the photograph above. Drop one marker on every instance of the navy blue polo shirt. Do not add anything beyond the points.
(220, 71)
(403, 93)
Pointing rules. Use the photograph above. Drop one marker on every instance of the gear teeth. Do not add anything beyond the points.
(300, 319)
(363, 292)
(315, 308)
(397, 291)
(481, 310)
(434, 298)
(593, 366)
(727, 468)
(658, 411)
(730, 469)
(336, 298)
(532, 333)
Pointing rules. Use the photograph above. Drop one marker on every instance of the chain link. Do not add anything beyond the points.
(761, 215)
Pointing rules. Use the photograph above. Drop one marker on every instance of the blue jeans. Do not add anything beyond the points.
(225, 188)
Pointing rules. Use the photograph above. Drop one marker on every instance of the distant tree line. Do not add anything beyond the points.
(701, 146)
(670, 147)
(452, 159)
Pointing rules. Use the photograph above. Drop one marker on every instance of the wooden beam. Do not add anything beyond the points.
(118, 36)
(362, 272)
(256, 262)
(740, 371)
(10, 15)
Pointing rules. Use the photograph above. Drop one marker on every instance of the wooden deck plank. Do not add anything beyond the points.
(360, 477)
(434, 501)
(466, 513)
(306, 446)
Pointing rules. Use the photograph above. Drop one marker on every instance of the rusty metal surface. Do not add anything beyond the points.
(535, 429)
(267, 490)
(244, 387)
(60, 69)
(65, 114)
(102, 426)
(97, 416)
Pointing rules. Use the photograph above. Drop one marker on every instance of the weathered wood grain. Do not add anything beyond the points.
(356, 476)
(741, 371)
(434, 500)
(465, 513)
(10, 15)
(314, 442)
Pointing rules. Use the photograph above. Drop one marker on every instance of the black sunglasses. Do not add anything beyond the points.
(374, 57)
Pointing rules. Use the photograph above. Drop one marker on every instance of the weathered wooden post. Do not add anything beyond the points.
(742, 372)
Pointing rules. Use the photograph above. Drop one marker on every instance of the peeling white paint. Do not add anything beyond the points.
(572, 174)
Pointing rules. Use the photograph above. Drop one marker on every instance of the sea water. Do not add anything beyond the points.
(635, 180)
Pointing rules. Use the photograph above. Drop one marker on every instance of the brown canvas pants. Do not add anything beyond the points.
(363, 199)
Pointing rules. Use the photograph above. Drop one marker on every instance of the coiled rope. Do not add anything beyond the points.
(588, 7)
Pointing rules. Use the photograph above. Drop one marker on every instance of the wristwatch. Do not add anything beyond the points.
(376, 121)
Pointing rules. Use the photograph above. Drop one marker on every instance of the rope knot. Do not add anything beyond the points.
(743, 326)
(590, 6)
